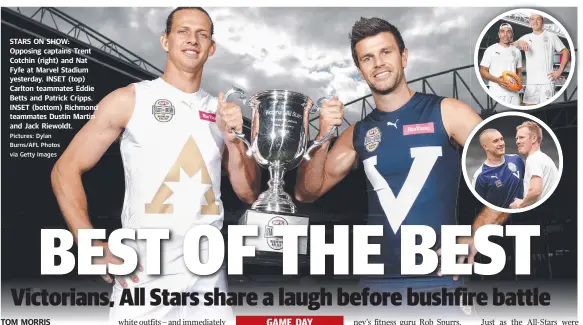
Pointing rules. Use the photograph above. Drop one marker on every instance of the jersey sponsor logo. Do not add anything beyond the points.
(372, 139)
(205, 116)
(397, 208)
(163, 110)
(412, 129)
(188, 177)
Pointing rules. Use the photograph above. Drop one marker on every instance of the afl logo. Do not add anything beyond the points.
(163, 110)
(372, 139)
(546, 39)
(274, 242)
(512, 167)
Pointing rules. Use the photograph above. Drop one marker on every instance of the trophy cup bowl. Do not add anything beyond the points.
(278, 142)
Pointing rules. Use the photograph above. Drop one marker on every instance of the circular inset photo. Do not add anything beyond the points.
(524, 59)
(512, 162)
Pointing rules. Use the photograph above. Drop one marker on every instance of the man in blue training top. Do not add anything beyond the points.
(499, 179)
(408, 147)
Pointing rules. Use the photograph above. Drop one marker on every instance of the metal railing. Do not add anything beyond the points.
(55, 19)
(60, 21)
(480, 99)
(524, 20)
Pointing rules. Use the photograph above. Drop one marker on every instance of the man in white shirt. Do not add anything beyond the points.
(174, 139)
(498, 58)
(541, 175)
(540, 47)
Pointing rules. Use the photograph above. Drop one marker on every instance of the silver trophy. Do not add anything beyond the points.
(279, 138)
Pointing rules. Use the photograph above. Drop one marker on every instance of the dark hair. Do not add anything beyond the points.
(170, 18)
(367, 27)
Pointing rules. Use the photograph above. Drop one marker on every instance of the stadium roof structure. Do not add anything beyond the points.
(459, 78)
(523, 19)
(63, 24)
(58, 20)
(565, 105)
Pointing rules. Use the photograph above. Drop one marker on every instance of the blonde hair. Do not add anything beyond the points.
(534, 129)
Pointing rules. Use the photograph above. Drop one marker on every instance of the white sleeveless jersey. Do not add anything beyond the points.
(171, 150)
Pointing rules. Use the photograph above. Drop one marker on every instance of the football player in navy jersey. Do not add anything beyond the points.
(408, 146)
(499, 178)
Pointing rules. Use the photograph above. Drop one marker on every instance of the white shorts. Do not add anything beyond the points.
(503, 95)
(182, 280)
(537, 94)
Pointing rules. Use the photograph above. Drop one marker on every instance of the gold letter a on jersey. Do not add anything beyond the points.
(191, 162)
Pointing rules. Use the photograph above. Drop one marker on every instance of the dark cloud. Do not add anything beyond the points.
(438, 39)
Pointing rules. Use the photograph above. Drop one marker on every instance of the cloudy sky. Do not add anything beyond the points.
(307, 49)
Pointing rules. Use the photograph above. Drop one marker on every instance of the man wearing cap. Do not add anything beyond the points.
(498, 58)
(540, 46)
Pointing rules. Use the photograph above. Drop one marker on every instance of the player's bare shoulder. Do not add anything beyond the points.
(117, 107)
(459, 119)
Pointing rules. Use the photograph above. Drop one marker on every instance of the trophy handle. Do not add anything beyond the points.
(315, 109)
(243, 97)
(302, 145)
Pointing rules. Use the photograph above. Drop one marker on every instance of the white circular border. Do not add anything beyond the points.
(465, 152)
(572, 56)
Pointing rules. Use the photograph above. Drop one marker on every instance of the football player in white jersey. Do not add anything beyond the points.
(540, 47)
(541, 174)
(174, 139)
(498, 58)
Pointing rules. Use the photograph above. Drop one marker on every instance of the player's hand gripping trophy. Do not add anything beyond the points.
(279, 138)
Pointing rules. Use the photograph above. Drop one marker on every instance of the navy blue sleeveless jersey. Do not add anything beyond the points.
(501, 184)
(413, 171)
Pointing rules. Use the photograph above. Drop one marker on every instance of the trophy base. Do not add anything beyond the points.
(269, 248)
(273, 259)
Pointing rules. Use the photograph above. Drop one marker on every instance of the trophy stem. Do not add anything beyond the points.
(276, 181)
(275, 199)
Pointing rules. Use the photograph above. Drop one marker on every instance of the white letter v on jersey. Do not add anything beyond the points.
(396, 209)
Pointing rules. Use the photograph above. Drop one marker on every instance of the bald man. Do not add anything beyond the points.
(499, 178)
